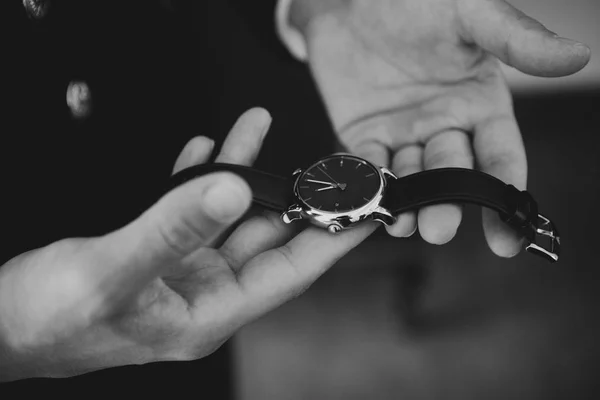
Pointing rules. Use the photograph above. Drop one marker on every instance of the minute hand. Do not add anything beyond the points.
(321, 182)
(329, 176)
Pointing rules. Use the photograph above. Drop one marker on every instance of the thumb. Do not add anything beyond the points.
(188, 217)
(520, 41)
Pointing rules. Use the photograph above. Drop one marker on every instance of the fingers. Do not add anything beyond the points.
(243, 143)
(259, 233)
(499, 149)
(276, 276)
(374, 152)
(407, 160)
(192, 215)
(196, 151)
(519, 40)
(187, 218)
(254, 236)
(438, 224)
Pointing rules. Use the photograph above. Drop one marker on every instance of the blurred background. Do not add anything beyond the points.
(403, 319)
(396, 318)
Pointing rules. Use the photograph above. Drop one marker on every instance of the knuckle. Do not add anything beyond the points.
(301, 282)
(288, 258)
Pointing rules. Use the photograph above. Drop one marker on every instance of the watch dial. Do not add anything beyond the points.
(339, 184)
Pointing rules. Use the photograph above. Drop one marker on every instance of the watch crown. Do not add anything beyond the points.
(334, 228)
(297, 172)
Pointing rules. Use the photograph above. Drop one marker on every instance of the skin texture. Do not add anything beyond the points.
(417, 84)
(159, 288)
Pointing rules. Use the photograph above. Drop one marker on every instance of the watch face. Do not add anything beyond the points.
(339, 183)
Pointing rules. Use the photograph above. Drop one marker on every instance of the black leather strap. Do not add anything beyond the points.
(459, 185)
(444, 185)
(270, 191)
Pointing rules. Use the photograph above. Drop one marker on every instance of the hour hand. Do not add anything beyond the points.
(325, 188)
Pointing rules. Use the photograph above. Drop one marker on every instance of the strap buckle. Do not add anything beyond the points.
(546, 241)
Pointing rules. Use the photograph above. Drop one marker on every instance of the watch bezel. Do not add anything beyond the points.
(344, 219)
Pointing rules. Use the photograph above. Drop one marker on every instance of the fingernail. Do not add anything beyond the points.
(583, 47)
(266, 123)
(572, 42)
(211, 146)
(225, 201)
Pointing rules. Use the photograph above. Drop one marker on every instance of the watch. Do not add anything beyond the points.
(342, 190)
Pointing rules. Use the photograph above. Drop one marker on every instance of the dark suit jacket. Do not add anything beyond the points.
(156, 81)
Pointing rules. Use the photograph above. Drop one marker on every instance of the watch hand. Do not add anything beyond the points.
(322, 182)
(326, 188)
(329, 176)
(341, 186)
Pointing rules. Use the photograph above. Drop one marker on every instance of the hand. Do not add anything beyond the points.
(416, 84)
(155, 289)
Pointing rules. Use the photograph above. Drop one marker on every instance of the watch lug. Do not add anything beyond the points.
(388, 174)
(293, 213)
(382, 215)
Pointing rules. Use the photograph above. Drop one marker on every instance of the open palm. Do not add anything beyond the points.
(417, 84)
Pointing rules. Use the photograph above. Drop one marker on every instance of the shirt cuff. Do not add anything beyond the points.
(291, 37)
